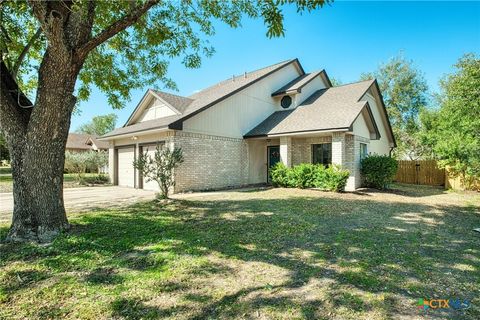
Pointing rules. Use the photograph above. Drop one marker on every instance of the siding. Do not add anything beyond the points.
(155, 110)
(381, 146)
(360, 127)
(241, 112)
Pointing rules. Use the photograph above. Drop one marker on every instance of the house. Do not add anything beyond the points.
(232, 132)
(79, 142)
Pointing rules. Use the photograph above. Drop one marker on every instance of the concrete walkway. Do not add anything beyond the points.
(87, 198)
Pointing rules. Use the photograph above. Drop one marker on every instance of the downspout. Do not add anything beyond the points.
(390, 152)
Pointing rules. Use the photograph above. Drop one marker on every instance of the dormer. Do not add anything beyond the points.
(297, 90)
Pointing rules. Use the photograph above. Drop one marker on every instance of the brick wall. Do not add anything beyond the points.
(302, 148)
(345, 151)
(210, 162)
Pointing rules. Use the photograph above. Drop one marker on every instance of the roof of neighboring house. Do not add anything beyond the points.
(332, 108)
(79, 141)
(201, 100)
(296, 85)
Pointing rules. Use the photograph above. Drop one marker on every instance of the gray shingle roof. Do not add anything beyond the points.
(326, 109)
(178, 102)
(199, 101)
(144, 126)
(297, 84)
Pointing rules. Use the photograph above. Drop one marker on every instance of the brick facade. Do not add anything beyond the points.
(213, 162)
(210, 162)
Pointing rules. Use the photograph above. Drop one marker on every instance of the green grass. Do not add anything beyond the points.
(279, 253)
(5, 170)
(69, 180)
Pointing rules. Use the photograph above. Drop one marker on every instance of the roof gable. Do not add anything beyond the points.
(177, 104)
(295, 86)
(334, 108)
(377, 95)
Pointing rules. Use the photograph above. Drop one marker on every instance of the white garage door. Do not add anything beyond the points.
(151, 185)
(126, 172)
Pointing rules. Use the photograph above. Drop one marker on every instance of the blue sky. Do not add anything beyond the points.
(345, 39)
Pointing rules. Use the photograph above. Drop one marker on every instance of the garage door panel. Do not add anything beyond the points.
(150, 185)
(126, 172)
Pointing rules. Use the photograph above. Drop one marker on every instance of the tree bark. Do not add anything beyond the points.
(38, 154)
(37, 136)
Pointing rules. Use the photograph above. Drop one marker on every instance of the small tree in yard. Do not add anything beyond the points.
(160, 167)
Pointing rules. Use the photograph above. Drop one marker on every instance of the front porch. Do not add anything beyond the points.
(341, 148)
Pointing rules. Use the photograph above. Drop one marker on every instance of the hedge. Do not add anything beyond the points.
(378, 171)
(307, 175)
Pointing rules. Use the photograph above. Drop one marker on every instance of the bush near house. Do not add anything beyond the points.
(308, 175)
(378, 170)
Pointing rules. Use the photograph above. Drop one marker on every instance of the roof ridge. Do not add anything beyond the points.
(241, 75)
(171, 94)
(355, 82)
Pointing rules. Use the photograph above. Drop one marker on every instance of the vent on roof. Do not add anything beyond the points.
(286, 102)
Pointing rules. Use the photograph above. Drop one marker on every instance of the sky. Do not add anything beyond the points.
(345, 38)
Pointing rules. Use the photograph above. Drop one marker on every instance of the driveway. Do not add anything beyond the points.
(87, 198)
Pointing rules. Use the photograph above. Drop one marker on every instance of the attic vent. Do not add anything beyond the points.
(286, 102)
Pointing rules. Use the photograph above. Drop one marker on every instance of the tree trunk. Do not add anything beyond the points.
(38, 156)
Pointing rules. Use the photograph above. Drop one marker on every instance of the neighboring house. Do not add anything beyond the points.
(232, 132)
(79, 142)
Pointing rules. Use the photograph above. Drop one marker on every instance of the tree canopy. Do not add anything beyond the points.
(405, 93)
(99, 125)
(131, 42)
(453, 131)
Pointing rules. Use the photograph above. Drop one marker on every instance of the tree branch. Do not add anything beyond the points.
(13, 118)
(24, 52)
(116, 27)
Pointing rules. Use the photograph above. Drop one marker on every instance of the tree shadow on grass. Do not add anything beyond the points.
(362, 244)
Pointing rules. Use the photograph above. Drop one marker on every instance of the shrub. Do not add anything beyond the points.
(308, 175)
(159, 167)
(378, 171)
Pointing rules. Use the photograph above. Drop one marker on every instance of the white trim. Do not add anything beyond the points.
(134, 134)
(305, 133)
(150, 94)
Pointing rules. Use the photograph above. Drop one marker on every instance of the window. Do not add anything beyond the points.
(322, 153)
(363, 151)
(286, 102)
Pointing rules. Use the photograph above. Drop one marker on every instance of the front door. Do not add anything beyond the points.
(273, 154)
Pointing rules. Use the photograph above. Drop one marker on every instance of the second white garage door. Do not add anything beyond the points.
(151, 185)
(126, 172)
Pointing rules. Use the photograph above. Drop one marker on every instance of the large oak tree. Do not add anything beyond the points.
(56, 51)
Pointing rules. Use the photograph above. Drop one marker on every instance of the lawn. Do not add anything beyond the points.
(273, 253)
(69, 180)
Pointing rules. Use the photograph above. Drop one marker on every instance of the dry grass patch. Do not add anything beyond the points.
(266, 254)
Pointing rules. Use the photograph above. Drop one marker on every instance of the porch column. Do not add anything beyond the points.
(286, 151)
(112, 162)
(338, 148)
(138, 175)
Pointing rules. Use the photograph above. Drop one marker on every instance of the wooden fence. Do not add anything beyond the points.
(427, 172)
(420, 172)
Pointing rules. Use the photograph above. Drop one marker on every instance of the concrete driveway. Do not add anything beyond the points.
(82, 199)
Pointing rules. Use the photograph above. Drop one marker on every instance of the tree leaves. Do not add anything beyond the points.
(138, 57)
(99, 125)
(405, 93)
